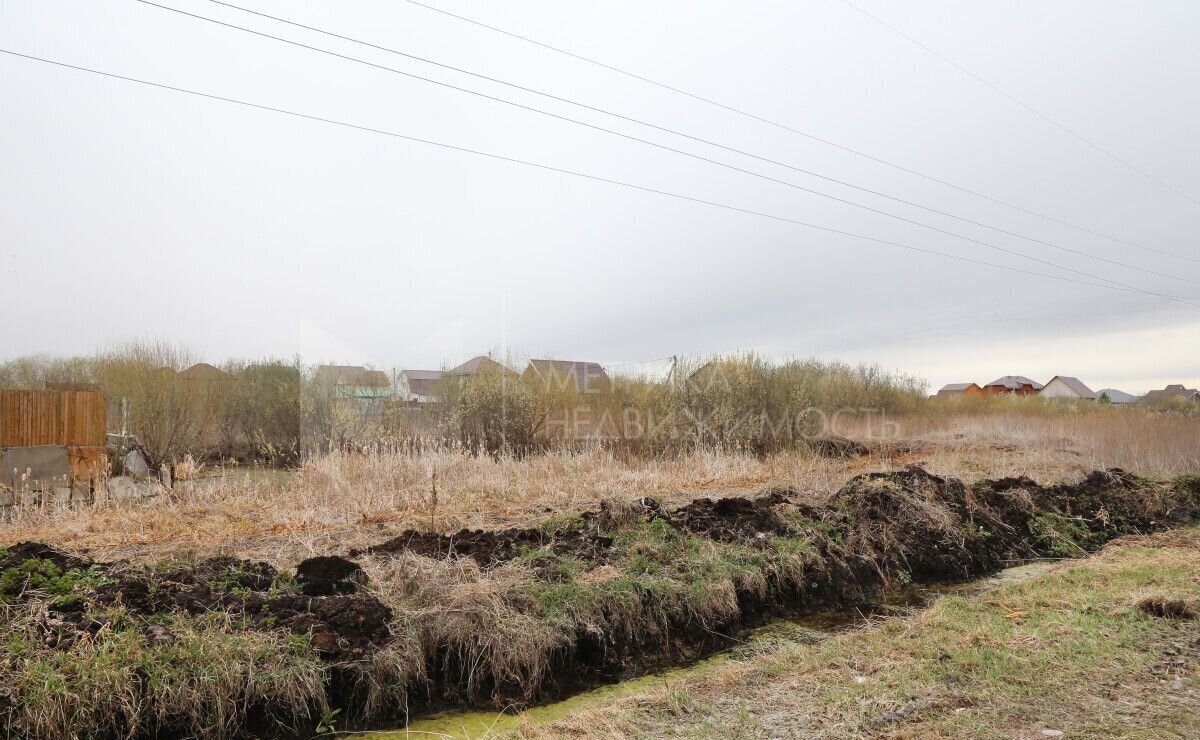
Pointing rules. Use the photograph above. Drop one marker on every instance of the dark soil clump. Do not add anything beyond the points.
(1170, 608)
(486, 548)
(23, 551)
(326, 575)
(733, 519)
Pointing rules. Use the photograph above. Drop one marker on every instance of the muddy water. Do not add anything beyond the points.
(808, 630)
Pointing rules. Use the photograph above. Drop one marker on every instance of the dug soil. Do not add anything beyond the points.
(880, 529)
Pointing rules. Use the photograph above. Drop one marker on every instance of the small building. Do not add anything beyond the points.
(960, 389)
(1173, 391)
(583, 377)
(1064, 386)
(419, 386)
(52, 441)
(480, 364)
(355, 381)
(1012, 385)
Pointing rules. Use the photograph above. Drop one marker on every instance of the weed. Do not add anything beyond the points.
(44, 576)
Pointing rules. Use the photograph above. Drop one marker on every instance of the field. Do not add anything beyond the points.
(362, 588)
(344, 500)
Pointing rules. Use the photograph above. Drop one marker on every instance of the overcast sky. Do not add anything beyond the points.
(137, 212)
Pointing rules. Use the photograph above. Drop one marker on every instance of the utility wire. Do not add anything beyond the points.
(1021, 103)
(647, 142)
(691, 137)
(584, 175)
(784, 127)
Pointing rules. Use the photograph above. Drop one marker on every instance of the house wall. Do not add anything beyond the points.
(1058, 389)
(996, 390)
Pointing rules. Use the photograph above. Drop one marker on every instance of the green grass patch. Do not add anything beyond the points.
(44, 576)
(198, 682)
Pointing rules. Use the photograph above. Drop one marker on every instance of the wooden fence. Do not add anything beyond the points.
(72, 418)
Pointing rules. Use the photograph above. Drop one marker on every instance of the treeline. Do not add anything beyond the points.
(276, 411)
(743, 402)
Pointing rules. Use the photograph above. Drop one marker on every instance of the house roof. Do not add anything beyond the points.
(1015, 382)
(566, 367)
(1117, 396)
(355, 375)
(202, 371)
(422, 374)
(1076, 385)
(954, 389)
(579, 371)
(475, 364)
(1173, 391)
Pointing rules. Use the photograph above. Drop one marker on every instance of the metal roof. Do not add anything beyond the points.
(475, 364)
(422, 374)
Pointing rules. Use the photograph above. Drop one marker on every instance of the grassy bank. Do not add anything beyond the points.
(1084, 650)
(203, 646)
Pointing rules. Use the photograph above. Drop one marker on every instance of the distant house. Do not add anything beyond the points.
(203, 371)
(960, 389)
(584, 377)
(1116, 396)
(1064, 386)
(1173, 391)
(419, 386)
(1013, 385)
(480, 364)
(355, 381)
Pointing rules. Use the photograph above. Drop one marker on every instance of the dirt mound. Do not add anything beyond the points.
(910, 524)
(17, 554)
(326, 575)
(836, 446)
(726, 519)
(341, 627)
(486, 548)
(732, 519)
(583, 538)
(343, 624)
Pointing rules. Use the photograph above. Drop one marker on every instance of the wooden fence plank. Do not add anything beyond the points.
(74, 418)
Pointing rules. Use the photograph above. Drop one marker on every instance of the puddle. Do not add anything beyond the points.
(807, 630)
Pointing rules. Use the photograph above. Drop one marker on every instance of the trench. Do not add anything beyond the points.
(787, 632)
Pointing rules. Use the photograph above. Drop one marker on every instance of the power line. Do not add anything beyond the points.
(675, 132)
(813, 137)
(1021, 103)
(647, 142)
(584, 175)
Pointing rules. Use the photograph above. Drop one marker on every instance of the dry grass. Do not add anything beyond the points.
(344, 500)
